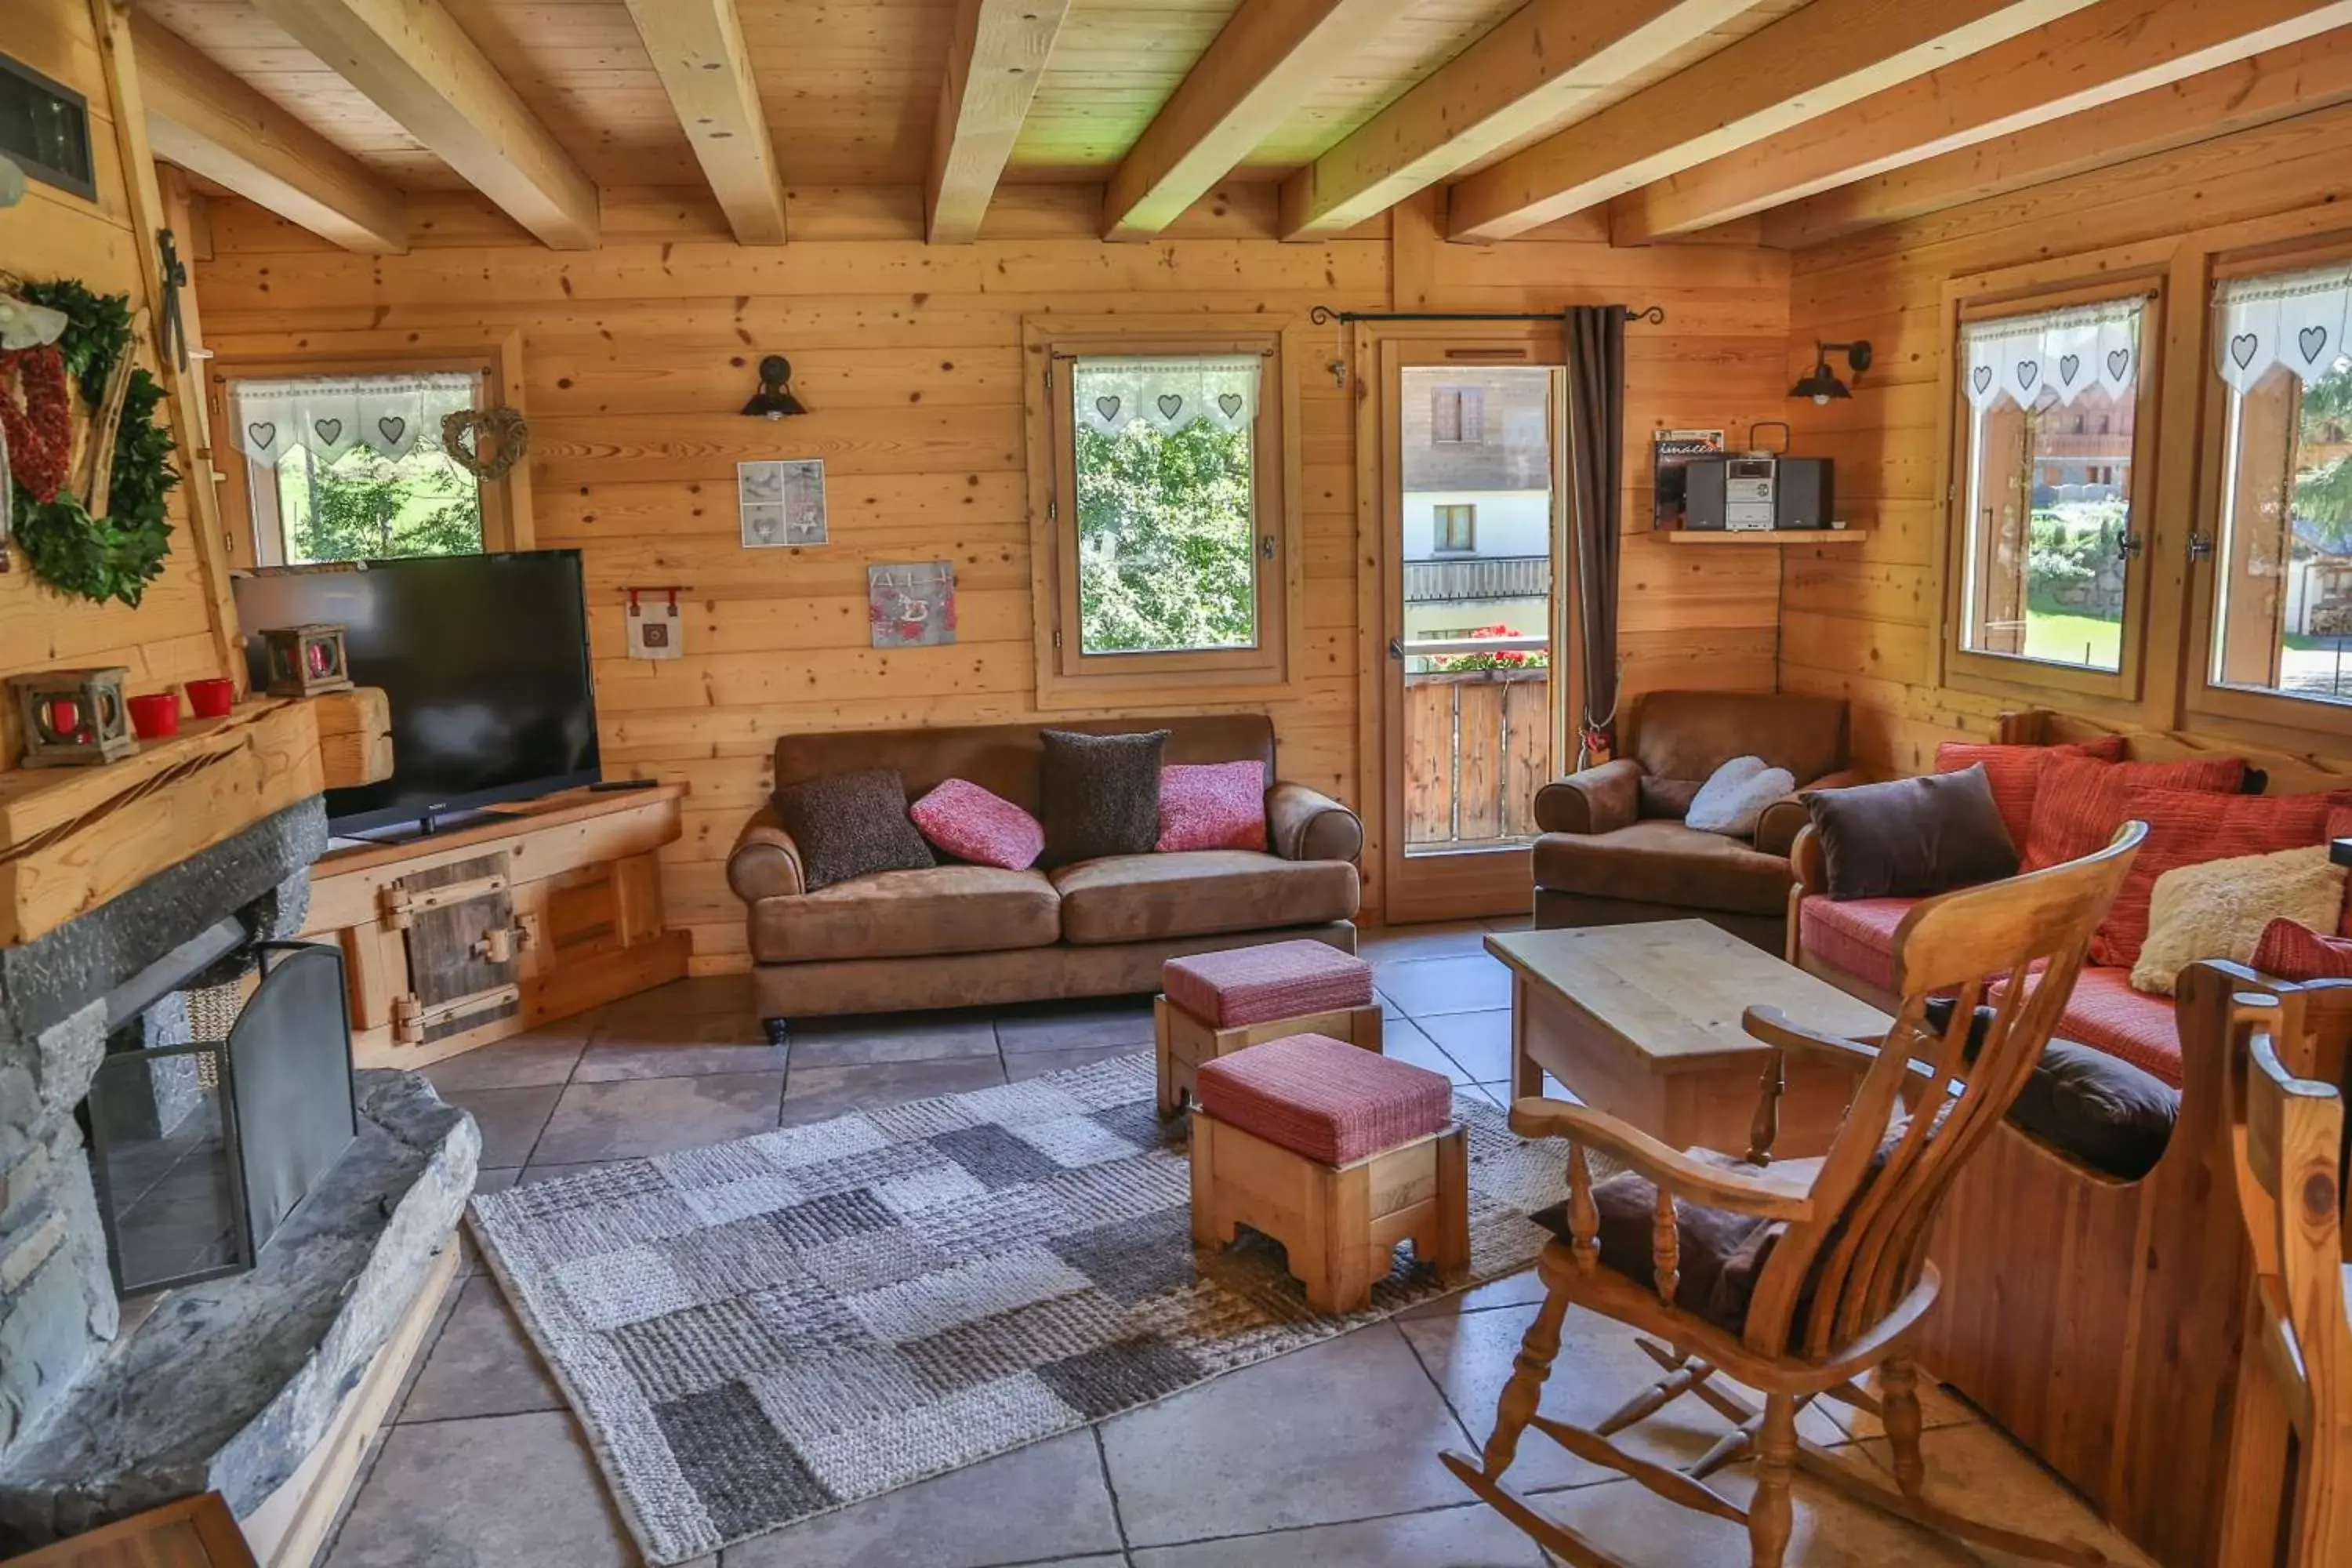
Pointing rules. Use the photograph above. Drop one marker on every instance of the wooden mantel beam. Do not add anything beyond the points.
(1529, 70)
(1256, 71)
(412, 60)
(211, 123)
(995, 59)
(698, 50)
(2273, 86)
(2110, 51)
(1812, 62)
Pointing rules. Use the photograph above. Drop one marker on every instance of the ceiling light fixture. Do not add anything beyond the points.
(775, 399)
(1821, 383)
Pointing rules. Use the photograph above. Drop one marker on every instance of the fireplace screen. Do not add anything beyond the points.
(202, 1148)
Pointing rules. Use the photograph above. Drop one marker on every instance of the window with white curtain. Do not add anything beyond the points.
(348, 468)
(2044, 492)
(2282, 601)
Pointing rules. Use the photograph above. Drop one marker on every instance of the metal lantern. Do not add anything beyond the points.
(73, 717)
(306, 661)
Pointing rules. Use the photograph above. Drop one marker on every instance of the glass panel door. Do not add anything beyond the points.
(1474, 500)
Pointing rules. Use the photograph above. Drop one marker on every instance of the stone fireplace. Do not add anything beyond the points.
(228, 1380)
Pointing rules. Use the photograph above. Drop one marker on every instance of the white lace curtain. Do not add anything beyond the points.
(1167, 394)
(2294, 318)
(330, 414)
(2068, 352)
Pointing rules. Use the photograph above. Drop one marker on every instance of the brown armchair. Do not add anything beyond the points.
(1613, 849)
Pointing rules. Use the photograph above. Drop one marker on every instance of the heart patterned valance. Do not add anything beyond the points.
(329, 414)
(2064, 353)
(1109, 395)
(2294, 318)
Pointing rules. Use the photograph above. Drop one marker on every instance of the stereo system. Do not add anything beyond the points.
(1757, 494)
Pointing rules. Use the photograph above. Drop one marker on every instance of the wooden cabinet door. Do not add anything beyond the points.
(462, 948)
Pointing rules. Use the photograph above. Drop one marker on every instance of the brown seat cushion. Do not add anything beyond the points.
(946, 908)
(1661, 862)
(1139, 898)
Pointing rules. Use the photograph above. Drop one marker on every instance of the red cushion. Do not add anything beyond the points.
(2015, 773)
(2081, 800)
(2339, 826)
(1325, 1099)
(1212, 805)
(2298, 952)
(975, 824)
(1855, 938)
(2187, 827)
(2107, 1015)
(1258, 985)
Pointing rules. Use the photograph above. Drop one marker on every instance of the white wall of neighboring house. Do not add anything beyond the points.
(1510, 522)
(1452, 618)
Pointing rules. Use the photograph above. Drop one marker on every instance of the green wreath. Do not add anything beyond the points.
(116, 555)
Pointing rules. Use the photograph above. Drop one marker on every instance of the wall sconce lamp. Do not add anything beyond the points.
(775, 399)
(1821, 384)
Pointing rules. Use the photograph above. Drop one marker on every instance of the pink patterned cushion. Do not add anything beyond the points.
(1325, 1099)
(1856, 937)
(2106, 1014)
(1258, 985)
(1212, 805)
(972, 824)
(2298, 952)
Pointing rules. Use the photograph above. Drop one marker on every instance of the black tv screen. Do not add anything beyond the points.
(485, 659)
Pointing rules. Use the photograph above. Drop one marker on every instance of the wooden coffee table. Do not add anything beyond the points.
(1642, 1021)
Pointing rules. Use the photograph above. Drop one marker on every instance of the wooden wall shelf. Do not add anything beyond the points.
(1776, 536)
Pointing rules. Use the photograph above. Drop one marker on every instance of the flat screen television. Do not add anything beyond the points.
(485, 659)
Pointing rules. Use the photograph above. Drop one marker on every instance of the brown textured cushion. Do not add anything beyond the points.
(852, 825)
(1143, 898)
(1099, 795)
(905, 914)
(1912, 836)
(1660, 862)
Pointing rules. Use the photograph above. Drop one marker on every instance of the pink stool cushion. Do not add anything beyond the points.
(1325, 1099)
(1258, 985)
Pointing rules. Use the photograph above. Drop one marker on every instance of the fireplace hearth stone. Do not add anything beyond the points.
(229, 1384)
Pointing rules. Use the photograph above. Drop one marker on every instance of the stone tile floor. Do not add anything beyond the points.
(1327, 1457)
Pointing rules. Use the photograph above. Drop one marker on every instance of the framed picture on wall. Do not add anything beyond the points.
(781, 503)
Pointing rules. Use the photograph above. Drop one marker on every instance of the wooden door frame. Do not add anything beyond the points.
(1487, 881)
(506, 520)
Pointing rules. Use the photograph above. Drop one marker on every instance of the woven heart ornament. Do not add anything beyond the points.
(462, 433)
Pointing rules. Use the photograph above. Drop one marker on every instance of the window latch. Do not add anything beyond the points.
(2200, 547)
(2128, 546)
(1266, 545)
(1396, 650)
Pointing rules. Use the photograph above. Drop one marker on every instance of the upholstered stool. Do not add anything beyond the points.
(1214, 1003)
(1337, 1153)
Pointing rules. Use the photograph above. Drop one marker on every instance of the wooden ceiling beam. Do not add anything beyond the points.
(1530, 71)
(211, 123)
(698, 50)
(1810, 63)
(995, 59)
(412, 60)
(1257, 70)
(2111, 51)
(2275, 85)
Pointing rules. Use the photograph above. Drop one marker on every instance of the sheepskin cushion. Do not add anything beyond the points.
(1735, 795)
(2217, 908)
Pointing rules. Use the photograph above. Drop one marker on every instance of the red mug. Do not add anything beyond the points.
(211, 697)
(155, 716)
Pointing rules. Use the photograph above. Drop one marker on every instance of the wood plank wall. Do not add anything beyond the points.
(637, 356)
(52, 234)
(1864, 622)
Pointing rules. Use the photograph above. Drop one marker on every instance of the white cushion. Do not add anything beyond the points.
(2217, 908)
(1735, 795)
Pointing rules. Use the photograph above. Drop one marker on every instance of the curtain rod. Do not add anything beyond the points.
(1323, 315)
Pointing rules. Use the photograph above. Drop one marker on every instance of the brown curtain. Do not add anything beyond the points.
(1596, 455)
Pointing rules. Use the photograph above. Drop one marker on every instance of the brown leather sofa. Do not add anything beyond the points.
(1614, 851)
(961, 935)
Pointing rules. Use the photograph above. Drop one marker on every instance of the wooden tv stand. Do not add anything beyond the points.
(469, 936)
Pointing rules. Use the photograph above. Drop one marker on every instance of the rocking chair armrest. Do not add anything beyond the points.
(1765, 1194)
(1775, 1028)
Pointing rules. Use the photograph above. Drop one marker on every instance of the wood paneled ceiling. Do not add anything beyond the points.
(1672, 116)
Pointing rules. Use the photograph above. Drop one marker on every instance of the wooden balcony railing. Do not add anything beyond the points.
(1477, 745)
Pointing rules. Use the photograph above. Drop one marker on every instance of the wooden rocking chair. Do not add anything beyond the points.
(1830, 1278)
(2289, 1504)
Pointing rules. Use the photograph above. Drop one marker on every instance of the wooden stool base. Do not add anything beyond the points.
(1184, 1042)
(1340, 1224)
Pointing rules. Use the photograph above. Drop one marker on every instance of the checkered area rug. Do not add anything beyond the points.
(766, 1330)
